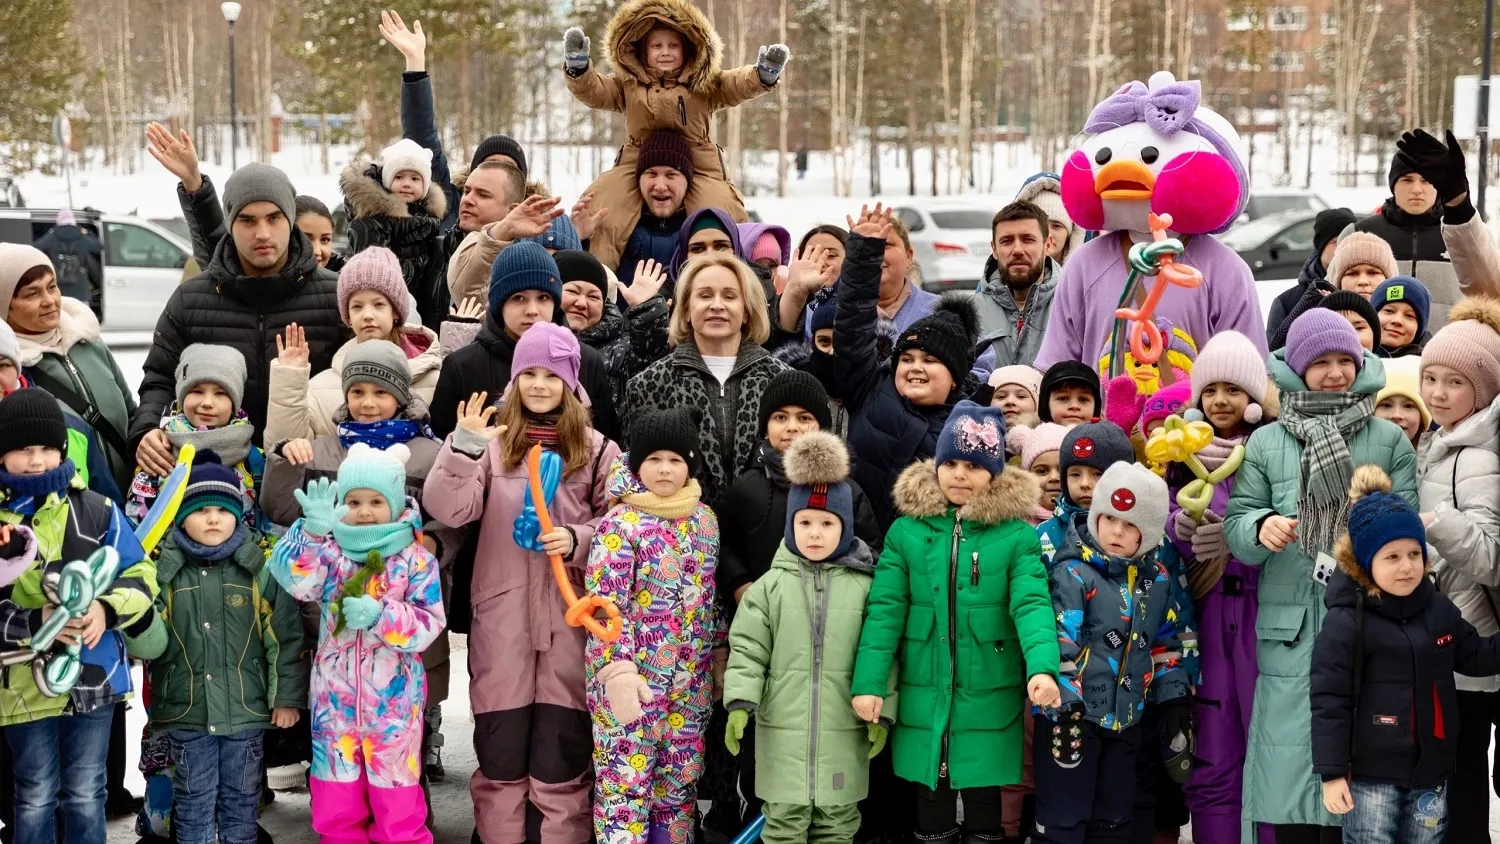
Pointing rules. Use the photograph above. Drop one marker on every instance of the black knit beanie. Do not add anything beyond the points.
(32, 417)
(577, 265)
(499, 145)
(675, 430)
(1068, 372)
(1348, 300)
(948, 334)
(1328, 225)
(795, 388)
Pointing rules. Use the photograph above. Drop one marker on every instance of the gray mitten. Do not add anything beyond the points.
(1183, 526)
(575, 50)
(770, 63)
(1208, 539)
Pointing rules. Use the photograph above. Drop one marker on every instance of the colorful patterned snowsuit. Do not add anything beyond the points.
(660, 573)
(368, 688)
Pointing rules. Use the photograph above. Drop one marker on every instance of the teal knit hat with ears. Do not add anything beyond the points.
(382, 471)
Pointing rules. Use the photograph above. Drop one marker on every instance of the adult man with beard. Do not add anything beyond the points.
(1019, 279)
(664, 172)
(494, 213)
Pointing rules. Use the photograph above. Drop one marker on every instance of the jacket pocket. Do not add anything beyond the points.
(916, 646)
(994, 657)
(1285, 645)
(1383, 725)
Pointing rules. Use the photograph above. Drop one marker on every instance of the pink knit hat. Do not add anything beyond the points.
(1470, 343)
(1361, 248)
(1166, 402)
(766, 247)
(374, 268)
(1021, 375)
(550, 347)
(1032, 443)
(1231, 357)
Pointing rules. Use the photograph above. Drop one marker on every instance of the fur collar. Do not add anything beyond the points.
(76, 323)
(637, 17)
(1013, 494)
(1343, 554)
(365, 196)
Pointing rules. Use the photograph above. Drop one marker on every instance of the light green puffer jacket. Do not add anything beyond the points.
(1280, 786)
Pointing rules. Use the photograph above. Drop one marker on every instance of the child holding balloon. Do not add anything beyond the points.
(526, 685)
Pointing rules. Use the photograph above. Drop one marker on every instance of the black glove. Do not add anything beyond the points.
(1441, 165)
(1177, 738)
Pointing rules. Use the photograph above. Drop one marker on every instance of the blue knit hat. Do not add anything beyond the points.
(976, 434)
(1404, 288)
(817, 466)
(559, 235)
(382, 471)
(822, 315)
(211, 484)
(1379, 517)
(523, 266)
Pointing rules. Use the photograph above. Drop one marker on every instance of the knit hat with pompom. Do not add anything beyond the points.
(817, 465)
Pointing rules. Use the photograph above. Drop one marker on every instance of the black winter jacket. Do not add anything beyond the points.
(629, 341)
(1402, 727)
(1312, 273)
(752, 523)
(1412, 237)
(413, 231)
(220, 305)
(419, 123)
(887, 433)
(484, 366)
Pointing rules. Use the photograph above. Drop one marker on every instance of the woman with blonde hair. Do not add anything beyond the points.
(717, 364)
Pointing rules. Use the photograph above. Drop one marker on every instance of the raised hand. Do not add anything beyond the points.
(475, 418)
(469, 309)
(811, 270)
(176, 154)
(529, 218)
(411, 42)
(1439, 163)
(874, 222)
(586, 220)
(291, 346)
(575, 50)
(648, 281)
(770, 63)
(320, 506)
(297, 452)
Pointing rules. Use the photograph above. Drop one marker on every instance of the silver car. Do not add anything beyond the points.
(951, 240)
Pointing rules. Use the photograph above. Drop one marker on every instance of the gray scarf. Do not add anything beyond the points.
(1323, 423)
(231, 442)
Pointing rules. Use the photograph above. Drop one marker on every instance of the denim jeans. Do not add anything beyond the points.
(1390, 814)
(66, 754)
(215, 786)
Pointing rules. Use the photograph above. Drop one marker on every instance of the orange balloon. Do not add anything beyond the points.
(580, 612)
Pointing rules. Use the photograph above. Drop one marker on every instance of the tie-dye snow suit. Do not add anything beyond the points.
(368, 688)
(660, 572)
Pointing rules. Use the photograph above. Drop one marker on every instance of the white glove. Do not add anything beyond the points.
(770, 63)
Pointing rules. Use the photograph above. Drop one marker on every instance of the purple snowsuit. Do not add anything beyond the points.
(1221, 709)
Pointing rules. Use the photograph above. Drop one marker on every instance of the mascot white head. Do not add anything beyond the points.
(1154, 149)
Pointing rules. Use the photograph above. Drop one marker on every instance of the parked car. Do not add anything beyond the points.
(1265, 202)
(951, 240)
(1275, 247)
(143, 262)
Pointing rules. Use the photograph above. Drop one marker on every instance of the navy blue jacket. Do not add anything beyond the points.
(419, 123)
(654, 238)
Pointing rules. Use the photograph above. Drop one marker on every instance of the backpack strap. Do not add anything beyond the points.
(107, 431)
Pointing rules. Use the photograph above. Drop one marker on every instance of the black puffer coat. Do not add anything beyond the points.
(223, 306)
(629, 341)
(483, 366)
(1402, 728)
(413, 231)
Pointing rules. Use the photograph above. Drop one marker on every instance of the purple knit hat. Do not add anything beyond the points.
(1319, 332)
(550, 347)
(374, 268)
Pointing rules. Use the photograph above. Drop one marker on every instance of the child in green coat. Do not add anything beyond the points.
(791, 658)
(960, 601)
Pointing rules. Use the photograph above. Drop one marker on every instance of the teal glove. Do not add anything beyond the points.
(877, 733)
(360, 613)
(320, 506)
(738, 718)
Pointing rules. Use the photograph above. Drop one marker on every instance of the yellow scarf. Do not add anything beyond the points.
(677, 506)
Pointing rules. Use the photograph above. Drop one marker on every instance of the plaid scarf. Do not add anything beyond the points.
(1323, 424)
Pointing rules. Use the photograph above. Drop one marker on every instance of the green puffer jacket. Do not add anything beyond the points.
(234, 644)
(960, 600)
(1280, 786)
(791, 657)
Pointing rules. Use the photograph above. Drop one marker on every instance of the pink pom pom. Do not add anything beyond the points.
(1084, 207)
(1199, 189)
(1253, 414)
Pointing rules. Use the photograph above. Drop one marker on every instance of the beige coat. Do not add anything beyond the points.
(685, 105)
(303, 406)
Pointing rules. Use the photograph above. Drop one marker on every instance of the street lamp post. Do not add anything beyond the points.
(231, 12)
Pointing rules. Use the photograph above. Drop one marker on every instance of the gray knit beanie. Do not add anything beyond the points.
(382, 363)
(258, 182)
(202, 363)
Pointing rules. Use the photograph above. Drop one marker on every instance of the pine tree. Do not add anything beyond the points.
(43, 65)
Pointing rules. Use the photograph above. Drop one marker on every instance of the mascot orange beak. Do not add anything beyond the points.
(1124, 180)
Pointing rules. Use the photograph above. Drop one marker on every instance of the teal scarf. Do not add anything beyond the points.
(388, 540)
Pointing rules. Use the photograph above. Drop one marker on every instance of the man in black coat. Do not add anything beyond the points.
(262, 278)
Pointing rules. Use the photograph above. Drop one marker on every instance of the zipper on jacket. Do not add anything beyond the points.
(958, 535)
(260, 348)
(1124, 671)
(820, 620)
(359, 678)
(974, 570)
(681, 109)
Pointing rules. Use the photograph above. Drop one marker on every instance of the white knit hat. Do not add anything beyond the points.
(1231, 357)
(1021, 375)
(405, 154)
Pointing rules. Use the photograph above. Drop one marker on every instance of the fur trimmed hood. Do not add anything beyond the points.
(365, 196)
(1013, 494)
(636, 18)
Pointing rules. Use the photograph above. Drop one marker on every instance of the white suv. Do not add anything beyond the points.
(143, 262)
